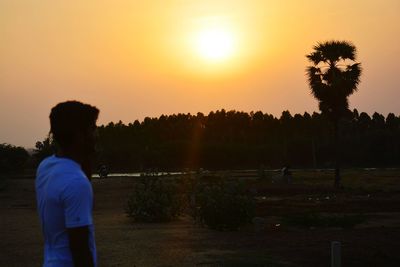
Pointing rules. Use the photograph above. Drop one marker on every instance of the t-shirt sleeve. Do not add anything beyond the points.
(78, 203)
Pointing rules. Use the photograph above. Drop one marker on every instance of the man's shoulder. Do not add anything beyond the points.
(59, 165)
(61, 171)
(45, 163)
(68, 177)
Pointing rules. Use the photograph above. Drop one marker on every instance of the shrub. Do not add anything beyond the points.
(223, 206)
(154, 200)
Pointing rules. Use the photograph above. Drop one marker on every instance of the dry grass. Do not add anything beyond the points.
(123, 243)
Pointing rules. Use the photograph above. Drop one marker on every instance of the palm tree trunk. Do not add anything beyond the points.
(337, 153)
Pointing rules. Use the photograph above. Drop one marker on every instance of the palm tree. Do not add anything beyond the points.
(333, 77)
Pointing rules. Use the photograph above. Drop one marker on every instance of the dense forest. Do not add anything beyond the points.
(239, 140)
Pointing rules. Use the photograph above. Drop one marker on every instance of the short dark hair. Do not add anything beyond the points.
(71, 117)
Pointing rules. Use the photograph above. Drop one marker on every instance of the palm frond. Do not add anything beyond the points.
(351, 78)
(333, 51)
(315, 57)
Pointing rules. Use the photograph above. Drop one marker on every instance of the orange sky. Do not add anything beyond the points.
(138, 58)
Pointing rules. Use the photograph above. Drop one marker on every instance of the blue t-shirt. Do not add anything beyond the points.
(64, 200)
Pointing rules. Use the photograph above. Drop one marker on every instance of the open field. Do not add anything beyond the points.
(365, 217)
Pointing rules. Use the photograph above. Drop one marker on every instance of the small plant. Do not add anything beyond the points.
(154, 200)
(222, 206)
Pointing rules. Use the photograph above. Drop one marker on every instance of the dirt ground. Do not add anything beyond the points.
(120, 242)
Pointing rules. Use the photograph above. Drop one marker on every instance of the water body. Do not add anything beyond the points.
(139, 174)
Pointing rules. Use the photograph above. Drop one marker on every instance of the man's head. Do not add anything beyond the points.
(73, 126)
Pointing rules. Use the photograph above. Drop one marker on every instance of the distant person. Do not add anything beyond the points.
(286, 174)
(63, 189)
(103, 171)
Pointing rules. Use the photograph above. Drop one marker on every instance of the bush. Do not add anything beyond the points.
(223, 206)
(154, 200)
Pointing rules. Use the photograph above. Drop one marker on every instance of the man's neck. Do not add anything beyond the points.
(82, 160)
(70, 154)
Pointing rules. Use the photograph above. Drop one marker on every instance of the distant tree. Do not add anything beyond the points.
(378, 120)
(44, 149)
(333, 77)
(12, 158)
(286, 127)
(392, 122)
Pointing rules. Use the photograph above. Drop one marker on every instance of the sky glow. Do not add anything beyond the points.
(134, 59)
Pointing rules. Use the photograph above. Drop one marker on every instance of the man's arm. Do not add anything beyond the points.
(79, 245)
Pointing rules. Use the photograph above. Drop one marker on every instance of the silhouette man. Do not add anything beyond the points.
(63, 189)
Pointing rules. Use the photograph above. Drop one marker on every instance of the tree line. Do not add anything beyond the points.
(234, 140)
(240, 140)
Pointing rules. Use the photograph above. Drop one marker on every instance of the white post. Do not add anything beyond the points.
(336, 260)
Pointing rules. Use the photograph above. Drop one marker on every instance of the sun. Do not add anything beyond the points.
(215, 44)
